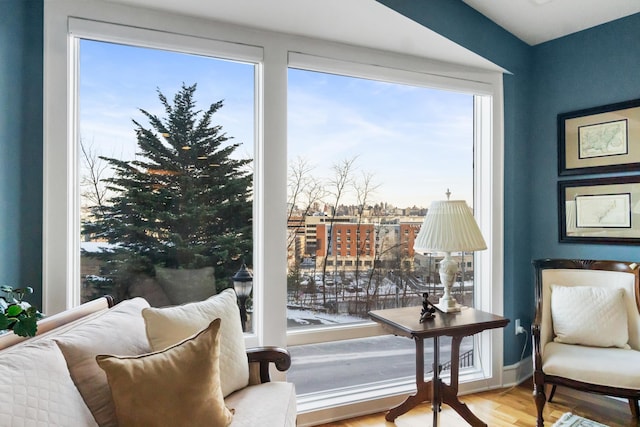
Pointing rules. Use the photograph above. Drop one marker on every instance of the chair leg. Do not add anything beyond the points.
(553, 391)
(541, 399)
(633, 405)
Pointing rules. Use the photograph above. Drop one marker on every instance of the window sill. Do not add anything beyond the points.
(318, 408)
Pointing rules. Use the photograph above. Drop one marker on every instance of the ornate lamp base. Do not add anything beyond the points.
(448, 270)
(444, 306)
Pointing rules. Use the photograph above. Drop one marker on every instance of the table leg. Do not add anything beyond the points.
(423, 389)
(450, 392)
(436, 402)
(435, 391)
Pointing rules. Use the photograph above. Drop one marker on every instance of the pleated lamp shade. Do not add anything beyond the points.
(449, 226)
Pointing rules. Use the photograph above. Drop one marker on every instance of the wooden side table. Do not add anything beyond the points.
(406, 322)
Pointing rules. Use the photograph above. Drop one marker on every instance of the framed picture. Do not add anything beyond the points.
(601, 139)
(601, 210)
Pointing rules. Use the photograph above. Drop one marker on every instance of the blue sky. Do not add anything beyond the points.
(116, 81)
(416, 142)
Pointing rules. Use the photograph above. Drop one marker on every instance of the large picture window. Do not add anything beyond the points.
(165, 151)
(367, 138)
(366, 158)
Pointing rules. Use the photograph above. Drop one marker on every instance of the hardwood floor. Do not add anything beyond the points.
(509, 407)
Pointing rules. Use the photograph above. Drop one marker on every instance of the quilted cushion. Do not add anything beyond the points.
(614, 367)
(170, 325)
(116, 331)
(37, 390)
(176, 386)
(587, 315)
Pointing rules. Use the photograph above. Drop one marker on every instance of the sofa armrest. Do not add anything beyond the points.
(280, 357)
(59, 320)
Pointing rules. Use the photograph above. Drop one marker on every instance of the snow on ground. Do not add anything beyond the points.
(298, 317)
(96, 246)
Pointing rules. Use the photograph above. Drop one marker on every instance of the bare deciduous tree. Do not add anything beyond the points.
(363, 189)
(305, 191)
(95, 192)
(337, 187)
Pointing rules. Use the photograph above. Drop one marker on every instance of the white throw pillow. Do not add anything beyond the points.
(170, 325)
(37, 390)
(592, 316)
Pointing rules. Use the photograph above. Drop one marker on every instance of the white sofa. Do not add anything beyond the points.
(53, 379)
(586, 331)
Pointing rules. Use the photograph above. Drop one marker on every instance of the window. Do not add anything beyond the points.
(174, 259)
(135, 180)
(355, 136)
(68, 22)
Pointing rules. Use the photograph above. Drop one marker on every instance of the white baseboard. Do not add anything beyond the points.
(517, 373)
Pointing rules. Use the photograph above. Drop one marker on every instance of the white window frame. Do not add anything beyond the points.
(489, 271)
(61, 254)
(61, 269)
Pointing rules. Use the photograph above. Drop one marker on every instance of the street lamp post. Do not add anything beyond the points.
(243, 283)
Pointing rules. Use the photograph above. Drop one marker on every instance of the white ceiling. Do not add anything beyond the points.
(538, 21)
(357, 22)
(371, 24)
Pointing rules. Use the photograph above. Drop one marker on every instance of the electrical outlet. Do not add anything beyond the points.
(519, 329)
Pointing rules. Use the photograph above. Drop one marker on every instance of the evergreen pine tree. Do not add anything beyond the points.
(183, 203)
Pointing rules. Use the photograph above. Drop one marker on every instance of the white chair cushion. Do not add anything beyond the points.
(170, 325)
(277, 405)
(591, 316)
(614, 367)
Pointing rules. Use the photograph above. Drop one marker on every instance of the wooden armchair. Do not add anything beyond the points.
(602, 360)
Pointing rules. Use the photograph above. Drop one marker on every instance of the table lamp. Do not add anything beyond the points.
(448, 227)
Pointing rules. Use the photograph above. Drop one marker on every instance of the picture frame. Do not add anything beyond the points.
(600, 210)
(600, 140)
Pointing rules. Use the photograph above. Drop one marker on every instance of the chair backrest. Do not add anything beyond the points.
(566, 272)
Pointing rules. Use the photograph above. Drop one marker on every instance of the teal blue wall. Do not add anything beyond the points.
(587, 69)
(21, 30)
(595, 67)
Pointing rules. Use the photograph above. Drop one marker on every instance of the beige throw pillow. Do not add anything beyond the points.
(592, 316)
(170, 325)
(178, 386)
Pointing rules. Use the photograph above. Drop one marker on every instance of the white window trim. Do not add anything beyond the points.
(61, 255)
(488, 212)
(61, 204)
(156, 39)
